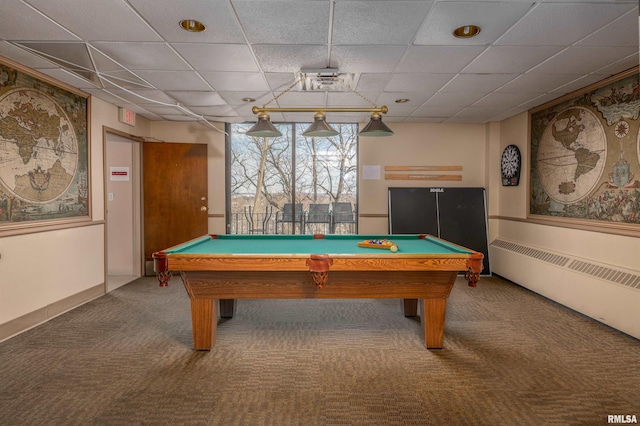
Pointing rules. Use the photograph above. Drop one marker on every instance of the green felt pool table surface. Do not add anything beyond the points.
(307, 244)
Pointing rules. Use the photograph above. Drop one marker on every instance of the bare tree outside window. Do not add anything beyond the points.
(264, 198)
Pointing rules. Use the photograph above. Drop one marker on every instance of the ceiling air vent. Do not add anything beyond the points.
(326, 80)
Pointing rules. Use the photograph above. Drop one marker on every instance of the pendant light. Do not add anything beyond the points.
(376, 127)
(320, 128)
(264, 128)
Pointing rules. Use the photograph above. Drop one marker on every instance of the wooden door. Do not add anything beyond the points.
(175, 194)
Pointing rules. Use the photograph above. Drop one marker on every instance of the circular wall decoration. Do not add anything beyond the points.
(510, 166)
(621, 129)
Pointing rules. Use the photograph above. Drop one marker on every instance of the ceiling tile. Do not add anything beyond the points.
(252, 81)
(502, 100)
(236, 98)
(282, 58)
(396, 110)
(98, 20)
(174, 80)
(537, 83)
(347, 99)
(492, 18)
(438, 59)
(389, 99)
(436, 111)
(107, 97)
(577, 84)
(143, 56)
(74, 54)
(510, 59)
(195, 98)
(69, 78)
(563, 23)
(143, 96)
(165, 16)
(124, 78)
(299, 99)
(359, 59)
(179, 117)
(468, 83)
(162, 109)
(417, 82)
(624, 64)
(270, 22)
(279, 81)
(380, 22)
(372, 82)
(537, 101)
(22, 22)
(215, 110)
(217, 57)
(621, 32)
(574, 60)
(478, 112)
(453, 99)
(22, 56)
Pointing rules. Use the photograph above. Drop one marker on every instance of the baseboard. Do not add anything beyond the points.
(42, 315)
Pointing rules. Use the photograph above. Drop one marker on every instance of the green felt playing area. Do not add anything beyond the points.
(307, 244)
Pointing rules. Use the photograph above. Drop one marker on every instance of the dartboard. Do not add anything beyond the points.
(510, 165)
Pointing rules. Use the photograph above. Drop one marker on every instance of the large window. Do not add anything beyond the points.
(292, 184)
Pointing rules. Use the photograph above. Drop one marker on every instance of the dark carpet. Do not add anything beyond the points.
(511, 357)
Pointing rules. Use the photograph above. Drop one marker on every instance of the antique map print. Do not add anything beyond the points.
(43, 150)
(585, 155)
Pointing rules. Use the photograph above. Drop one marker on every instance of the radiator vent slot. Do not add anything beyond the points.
(617, 276)
(606, 273)
(545, 256)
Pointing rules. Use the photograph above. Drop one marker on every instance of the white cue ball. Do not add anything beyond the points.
(393, 249)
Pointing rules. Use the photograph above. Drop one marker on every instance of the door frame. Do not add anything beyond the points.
(136, 177)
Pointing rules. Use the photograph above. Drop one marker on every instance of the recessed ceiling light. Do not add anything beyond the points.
(402, 101)
(192, 25)
(466, 31)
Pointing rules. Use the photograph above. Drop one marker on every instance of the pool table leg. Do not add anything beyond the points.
(203, 312)
(227, 308)
(410, 307)
(434, 311)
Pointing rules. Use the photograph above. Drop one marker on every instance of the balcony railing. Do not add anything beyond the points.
(313, 219)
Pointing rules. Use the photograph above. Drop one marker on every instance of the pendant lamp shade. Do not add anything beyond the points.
(320, 128)
(376, 127)
(264, 128)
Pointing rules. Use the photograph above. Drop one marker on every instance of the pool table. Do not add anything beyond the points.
(225, 268)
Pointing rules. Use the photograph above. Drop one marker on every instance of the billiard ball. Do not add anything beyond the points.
(393, 249)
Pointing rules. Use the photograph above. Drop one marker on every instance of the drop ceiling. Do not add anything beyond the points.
(134, 54)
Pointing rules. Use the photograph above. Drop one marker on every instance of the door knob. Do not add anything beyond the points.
(204, 208)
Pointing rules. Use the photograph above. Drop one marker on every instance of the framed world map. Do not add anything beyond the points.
(585, 154)
(44, 150)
